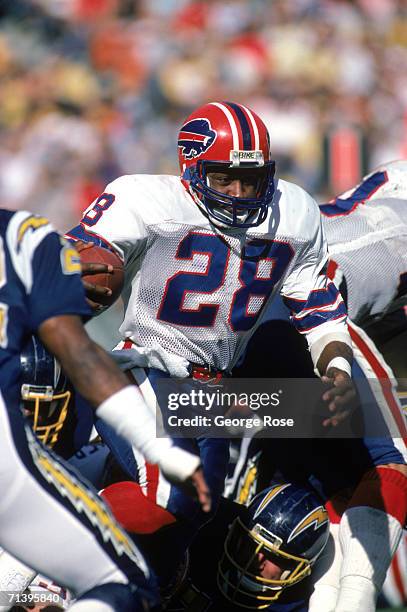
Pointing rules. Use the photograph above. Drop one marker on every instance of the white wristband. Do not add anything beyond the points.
(341, 363)
(129, 415)
(178, 464)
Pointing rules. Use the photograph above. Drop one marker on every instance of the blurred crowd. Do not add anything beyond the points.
(92, 89)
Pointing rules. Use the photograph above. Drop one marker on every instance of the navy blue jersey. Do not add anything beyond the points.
(39, 279)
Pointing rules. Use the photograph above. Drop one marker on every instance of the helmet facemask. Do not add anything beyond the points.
(45, 391)
(226, 210)
(46, 411)
(240, 576)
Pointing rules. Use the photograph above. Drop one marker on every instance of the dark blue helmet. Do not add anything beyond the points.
(43, 390)
(274, 546)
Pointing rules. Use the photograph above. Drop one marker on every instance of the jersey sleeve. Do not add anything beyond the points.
(316, 306)
(49, 268)
(114, 220)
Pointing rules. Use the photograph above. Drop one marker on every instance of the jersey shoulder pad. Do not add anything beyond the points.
(394, 183)
(153, 197)
(299, 212)
(24, 234)
(26, 229)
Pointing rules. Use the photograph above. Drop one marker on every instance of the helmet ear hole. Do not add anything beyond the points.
(220, 137)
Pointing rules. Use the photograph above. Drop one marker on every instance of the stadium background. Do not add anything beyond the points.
(92, 89)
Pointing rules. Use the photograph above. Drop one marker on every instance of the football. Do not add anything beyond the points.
(114, 281)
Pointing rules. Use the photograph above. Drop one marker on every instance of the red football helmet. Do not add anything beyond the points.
(222, 135)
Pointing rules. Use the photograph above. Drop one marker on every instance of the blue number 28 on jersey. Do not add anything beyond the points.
(275, 256)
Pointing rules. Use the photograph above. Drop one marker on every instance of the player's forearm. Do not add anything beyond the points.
(328, 340)
(332, 351)
(131, 418)
(96, 376)
(90, 369)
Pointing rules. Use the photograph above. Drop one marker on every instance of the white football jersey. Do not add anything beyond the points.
(386, 181)
(369, 244)
(199, 292)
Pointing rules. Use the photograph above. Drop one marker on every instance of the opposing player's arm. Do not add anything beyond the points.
(90, 369)
(49, 268)
(335, 361)
(104, 386)
(338, 351)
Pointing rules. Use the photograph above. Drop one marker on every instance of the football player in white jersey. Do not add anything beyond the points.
(204, 253)
(366, 230)
(389, 180)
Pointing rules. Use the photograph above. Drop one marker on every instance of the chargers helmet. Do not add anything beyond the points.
(226, 135)
(289, 526)
(44, 392)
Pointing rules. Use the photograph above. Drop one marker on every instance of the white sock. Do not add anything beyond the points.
(369, 539)
(356, 594)
(325, 575)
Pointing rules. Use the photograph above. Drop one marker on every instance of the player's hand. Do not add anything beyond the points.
(341, 397)
(194, 485)
(93, 292)
(198, 488)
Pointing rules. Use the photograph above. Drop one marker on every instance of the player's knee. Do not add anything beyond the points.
(384, 488)
(12, 478)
